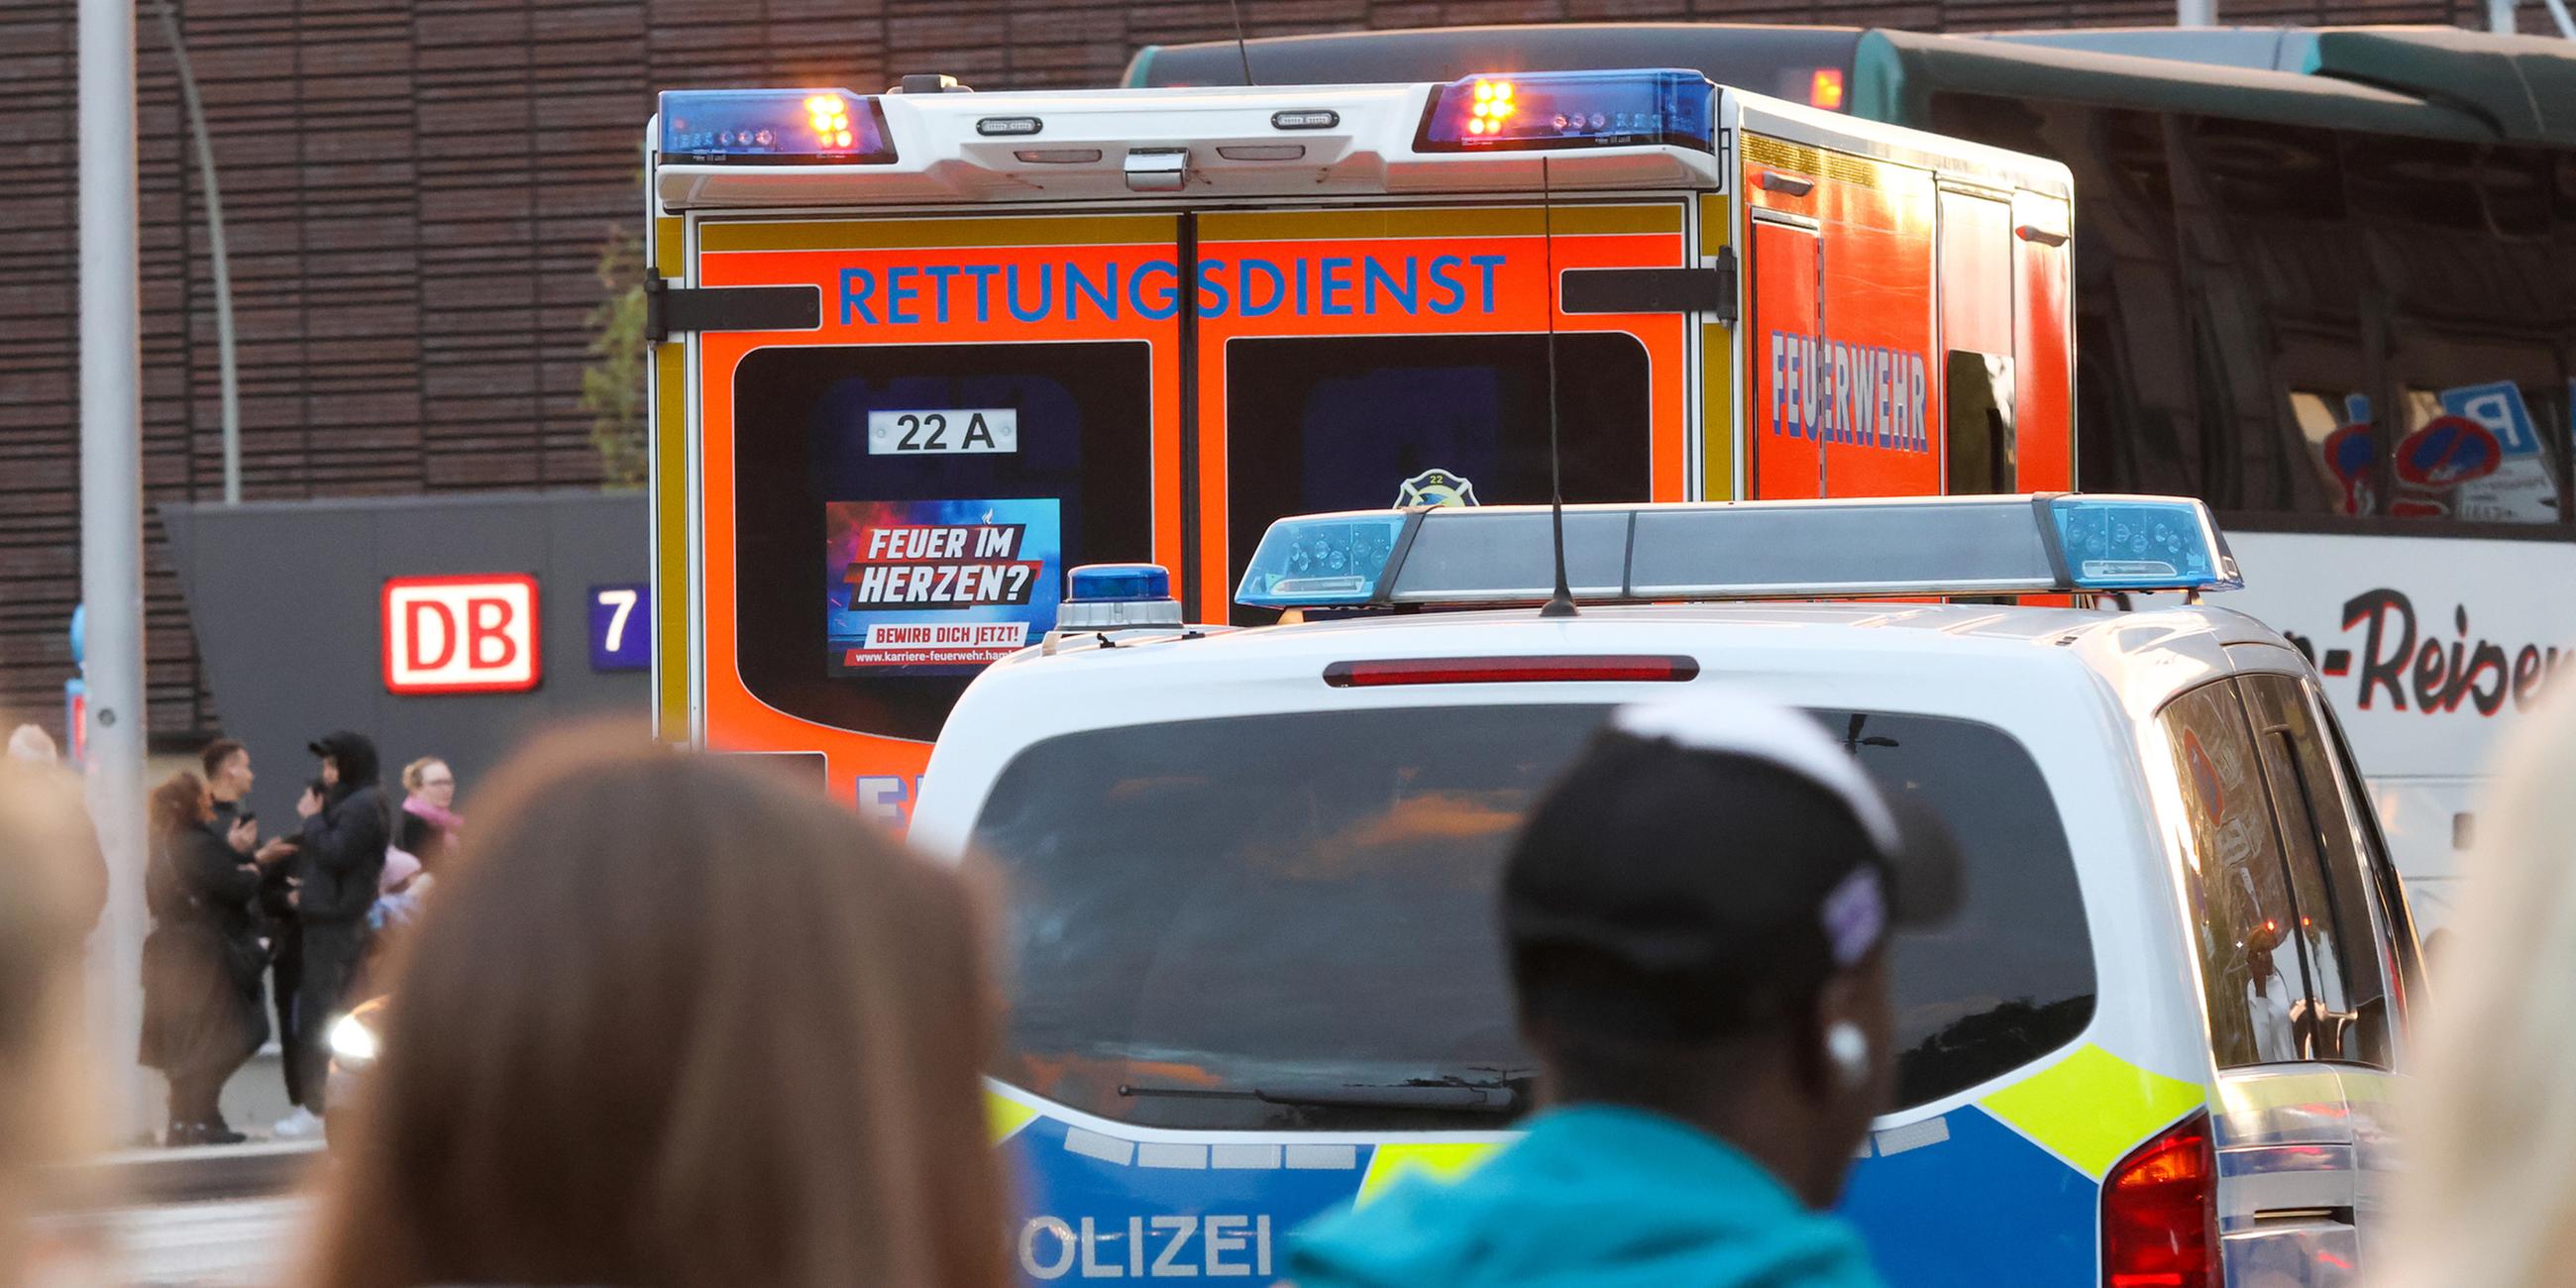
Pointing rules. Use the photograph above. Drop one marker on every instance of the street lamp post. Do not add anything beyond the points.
(111, 482)
(228, 371)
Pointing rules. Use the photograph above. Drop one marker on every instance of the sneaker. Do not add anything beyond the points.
(181, 1135)
(218, 1134)
(301, 1124)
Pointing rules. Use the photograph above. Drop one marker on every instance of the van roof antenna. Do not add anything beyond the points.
(1561, 604)
(1242, 47)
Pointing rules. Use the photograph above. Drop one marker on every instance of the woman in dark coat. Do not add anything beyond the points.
(202, 1017)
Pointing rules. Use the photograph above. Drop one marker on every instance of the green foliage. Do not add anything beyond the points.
(612, 386)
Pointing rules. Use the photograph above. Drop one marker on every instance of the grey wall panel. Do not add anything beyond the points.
(286, 602)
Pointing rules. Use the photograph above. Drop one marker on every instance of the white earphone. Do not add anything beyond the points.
(1848, 1048)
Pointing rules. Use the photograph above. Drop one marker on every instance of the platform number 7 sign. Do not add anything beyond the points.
(621, 632)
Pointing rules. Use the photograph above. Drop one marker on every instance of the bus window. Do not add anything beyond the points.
(2138, 402)
(1346, 423)
(2341, 446)
(2477, 452)
(836, 443)
(2477, 298)
(2276, 295)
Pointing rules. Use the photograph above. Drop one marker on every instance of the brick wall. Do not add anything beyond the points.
(416, 192)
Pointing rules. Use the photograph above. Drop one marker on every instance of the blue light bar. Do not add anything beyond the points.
(1571, 109)
(2140, 543)
(1900, 547)
(1117, 583)
(1322, 560)
(774, 127)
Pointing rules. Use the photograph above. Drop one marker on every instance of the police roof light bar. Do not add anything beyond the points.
(1843, 549)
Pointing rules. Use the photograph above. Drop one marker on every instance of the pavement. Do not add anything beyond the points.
(216, 1216)
(221, 1216)
(255, 1097)
(228, 1243)
(258, 1169)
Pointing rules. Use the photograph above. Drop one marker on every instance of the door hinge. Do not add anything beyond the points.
(676, 310)
(1710, 290)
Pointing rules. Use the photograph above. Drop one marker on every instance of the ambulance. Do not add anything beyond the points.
(918, 353)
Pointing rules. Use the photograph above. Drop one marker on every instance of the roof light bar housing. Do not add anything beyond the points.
(1905, 547)
(1572, 109)
(768, 149)
(774, 127)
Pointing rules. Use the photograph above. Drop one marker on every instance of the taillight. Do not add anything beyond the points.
(1510, 670)
(2160, 1212)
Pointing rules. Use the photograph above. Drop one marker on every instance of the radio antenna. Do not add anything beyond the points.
(1242, 47)
(1562, 603)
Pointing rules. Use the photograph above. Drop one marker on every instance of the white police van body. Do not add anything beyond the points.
(1256, 974)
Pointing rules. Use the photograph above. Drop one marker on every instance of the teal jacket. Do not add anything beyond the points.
(1593, 1197)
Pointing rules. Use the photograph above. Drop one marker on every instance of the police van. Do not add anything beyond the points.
(1256, 972)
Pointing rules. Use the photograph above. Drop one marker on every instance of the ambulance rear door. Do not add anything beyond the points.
(891, 490)
(1362, 356)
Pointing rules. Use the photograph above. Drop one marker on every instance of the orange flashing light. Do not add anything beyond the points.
(1492, 103)
(830, 118)
(1825, 89)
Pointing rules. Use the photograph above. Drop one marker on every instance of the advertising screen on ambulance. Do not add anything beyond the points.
(930, 586)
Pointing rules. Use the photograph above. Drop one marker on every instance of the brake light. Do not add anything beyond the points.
(2160, 1212)
(1511, 670)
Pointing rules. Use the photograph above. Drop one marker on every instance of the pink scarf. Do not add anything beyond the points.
(448, 820)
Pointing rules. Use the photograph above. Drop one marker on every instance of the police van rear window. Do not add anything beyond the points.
(1207, 910)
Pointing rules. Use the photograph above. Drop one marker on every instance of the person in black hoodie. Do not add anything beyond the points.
(202, 1016)
(341, 859)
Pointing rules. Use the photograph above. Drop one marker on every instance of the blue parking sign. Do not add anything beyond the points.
(621, 627)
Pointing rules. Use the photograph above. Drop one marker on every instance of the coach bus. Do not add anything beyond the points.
(2325, 279)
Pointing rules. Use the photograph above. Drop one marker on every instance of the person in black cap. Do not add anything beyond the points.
(342, 856)
(1697, 917)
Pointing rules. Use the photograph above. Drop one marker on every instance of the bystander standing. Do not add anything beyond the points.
(674, 1023)
(202, 963)
(340, 866)
(2488, 1196)
(298, 1044)
(30, 744)
(429, 822)
(46, 1115)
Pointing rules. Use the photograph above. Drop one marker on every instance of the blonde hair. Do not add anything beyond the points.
(413, 773)
(673, 1024)
(2489, 1192)
(47, 849)
(31, 742)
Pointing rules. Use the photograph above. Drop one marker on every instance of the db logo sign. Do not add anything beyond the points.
(461, 634)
